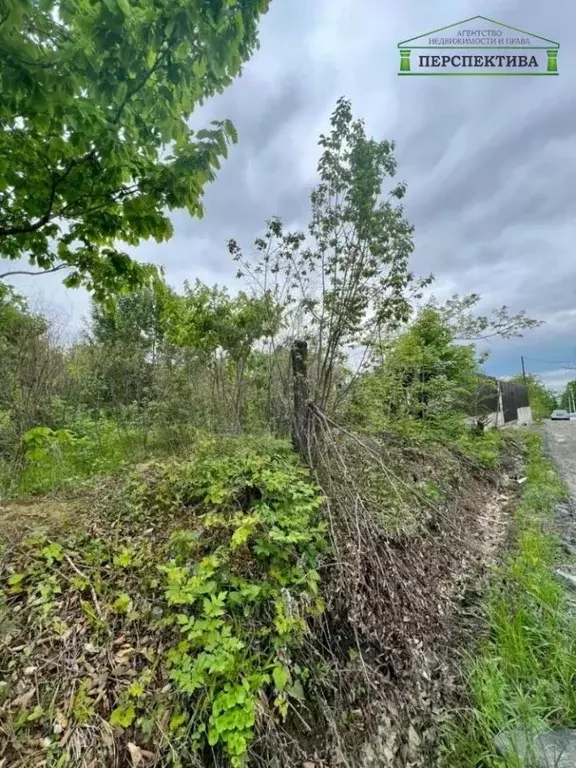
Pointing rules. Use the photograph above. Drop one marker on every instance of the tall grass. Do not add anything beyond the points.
(91, 446)
(523, 674)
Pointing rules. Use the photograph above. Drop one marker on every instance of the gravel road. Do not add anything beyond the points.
(561, 442)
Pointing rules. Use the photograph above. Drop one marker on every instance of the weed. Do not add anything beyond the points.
(181, 607)
(61, 459)
(522, 675)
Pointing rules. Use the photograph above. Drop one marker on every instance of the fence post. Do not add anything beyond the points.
(300, 415)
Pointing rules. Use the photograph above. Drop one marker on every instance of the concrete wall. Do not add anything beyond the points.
(496, 419)
(525, 415)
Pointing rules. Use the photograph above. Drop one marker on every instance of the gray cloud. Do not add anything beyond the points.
(488, 168)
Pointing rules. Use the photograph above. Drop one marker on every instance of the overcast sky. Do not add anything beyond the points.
(490, 162)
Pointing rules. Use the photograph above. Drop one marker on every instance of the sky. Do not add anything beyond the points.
(490, 162)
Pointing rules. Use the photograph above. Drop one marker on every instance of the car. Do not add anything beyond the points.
(560, 416)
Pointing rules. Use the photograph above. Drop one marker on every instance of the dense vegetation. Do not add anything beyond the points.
(522, 679)
(192, 591)
(568, 399)
(185, 624)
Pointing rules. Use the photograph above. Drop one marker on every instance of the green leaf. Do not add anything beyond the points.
(123, 716)
(281, 676)
(53, 552)
(177, 719)
(16, 578)
(297, 691)
(123, 603)
(36, 713)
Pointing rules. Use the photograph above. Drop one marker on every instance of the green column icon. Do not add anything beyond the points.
(405, 61)
(552, 61)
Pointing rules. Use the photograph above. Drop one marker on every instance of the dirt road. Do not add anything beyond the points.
(561, 440)
(561, 444)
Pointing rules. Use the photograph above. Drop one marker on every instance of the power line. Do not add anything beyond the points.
(551, 362)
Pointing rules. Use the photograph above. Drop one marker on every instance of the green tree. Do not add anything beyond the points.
(222, 332)
(135, 320)
(459, 313)
(422, 375)
(542, 400)
(126, 345)
(351, 280)
(95, 143)
(208, 319)
(568, 398)
(30, 370)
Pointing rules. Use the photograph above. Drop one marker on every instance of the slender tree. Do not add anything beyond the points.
(350, 278)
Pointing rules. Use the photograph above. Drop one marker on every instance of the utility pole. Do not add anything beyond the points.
(523, 369)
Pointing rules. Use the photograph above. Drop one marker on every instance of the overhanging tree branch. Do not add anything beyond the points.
(44, 219)
(58, 179)
(41, 272)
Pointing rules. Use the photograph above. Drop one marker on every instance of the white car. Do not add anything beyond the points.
(560, 416)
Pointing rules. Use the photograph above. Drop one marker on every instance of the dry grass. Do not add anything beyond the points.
(19, 517)
(408, 557)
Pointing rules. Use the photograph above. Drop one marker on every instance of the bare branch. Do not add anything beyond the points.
(41, 272)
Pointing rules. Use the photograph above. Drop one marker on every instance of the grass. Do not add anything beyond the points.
(170, 617)
(523, 673)
(58, 460)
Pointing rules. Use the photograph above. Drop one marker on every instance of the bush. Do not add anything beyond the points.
(61, 458)
(189, 591)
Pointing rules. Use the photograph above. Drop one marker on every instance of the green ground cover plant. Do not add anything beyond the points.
(175, 616)
(523, 673)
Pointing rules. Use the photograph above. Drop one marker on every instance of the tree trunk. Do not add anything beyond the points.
(300, 416)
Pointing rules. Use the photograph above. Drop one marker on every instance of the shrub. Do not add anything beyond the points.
(206, 569)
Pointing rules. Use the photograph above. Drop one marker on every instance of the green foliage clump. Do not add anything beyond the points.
(523, 674)
(567, 399)
(26, 373)
(62, 458)
(421, 375)
(260, 567)
(94, 93)
(208, 319)
(213, 560)
(58, 458)
(485, 448)
(422, 386)
(542, 400)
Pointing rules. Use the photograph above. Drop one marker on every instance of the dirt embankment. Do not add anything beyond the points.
(412, 531)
